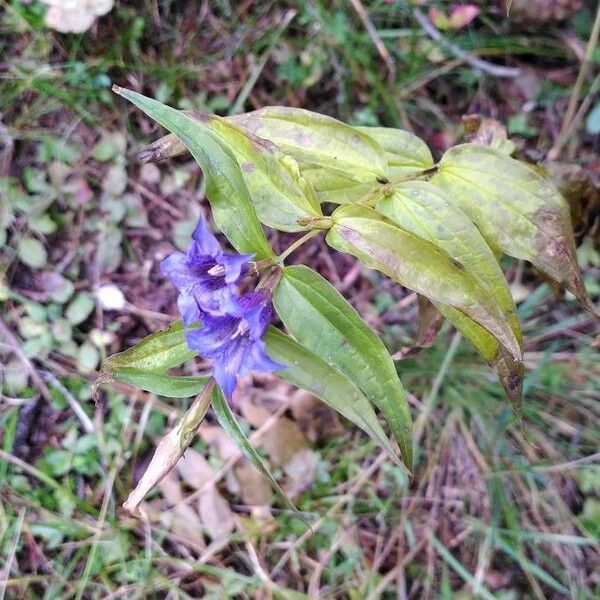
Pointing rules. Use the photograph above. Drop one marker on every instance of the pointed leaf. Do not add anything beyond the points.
(229, 423)
(156, 353)
(315, 139)
(172, 386)
(225, 188)
(426, 211)
(419, 207)
(279, 193)
(406, 154)
(418, 265)
(510, 372)
(320, 319)
(516, 210)
(306, 370)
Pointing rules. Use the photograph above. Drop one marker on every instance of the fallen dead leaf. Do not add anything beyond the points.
(316, 420)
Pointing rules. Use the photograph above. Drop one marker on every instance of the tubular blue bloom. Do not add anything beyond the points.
(205, 276)
(233, 341)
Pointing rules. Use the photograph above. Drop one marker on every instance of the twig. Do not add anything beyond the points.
(563, 137)
(375, 38)
(86, 422)
(476, 63)
(258, 69)
(316, 526)
(12, 553)
(429, 403)
(574, 99)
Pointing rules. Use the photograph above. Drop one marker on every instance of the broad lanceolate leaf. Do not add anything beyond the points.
(229, 423)
(156, 353)
(306, 370)
(516, 210)
(232, 207)
(426, 211)
(279, 192)
(420, 265)
(423, 209)
(406, 153)
(334, 187)
(316, 314)
(318, 140)
(172, 386)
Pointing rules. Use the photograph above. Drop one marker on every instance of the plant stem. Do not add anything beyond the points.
(571, 107)
(297, 244)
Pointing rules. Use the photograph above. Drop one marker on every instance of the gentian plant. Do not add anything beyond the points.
(436, 228)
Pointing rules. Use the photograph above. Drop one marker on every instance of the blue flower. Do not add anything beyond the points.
(233, 341)
(205, 276)
(232, 326)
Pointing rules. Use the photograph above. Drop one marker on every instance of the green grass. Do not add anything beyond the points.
(494, 509)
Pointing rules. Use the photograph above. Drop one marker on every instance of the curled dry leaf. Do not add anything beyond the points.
(170, 449)
(314, 418)
(487, 132)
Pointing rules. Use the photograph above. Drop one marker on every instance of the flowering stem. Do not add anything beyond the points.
(297, 244)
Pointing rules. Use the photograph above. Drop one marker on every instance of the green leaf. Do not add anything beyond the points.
(226, 191)
(315, 139)
(172, 386)
(280, 194)
(156, 353)
(79, 309)
(426, 211)
(419, 265)
(306, 370)
(516, 210)
(320, 319)
(406, 153)
(229, 423)
(32, 252)
(592, 123)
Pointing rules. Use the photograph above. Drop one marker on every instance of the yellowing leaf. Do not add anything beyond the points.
(316, 139)
(426, 211)
(406, 154)
(516, 210)
(279, 193)
(334, 187)
(419, 265)
(510, 371)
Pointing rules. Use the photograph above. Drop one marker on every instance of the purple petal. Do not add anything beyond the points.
(227, 366)
(216, 302)
(234, 265)
(255, 308)
(205, 242)
(188, 309)
(177, 269)
(216, 334)
(257, 360)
